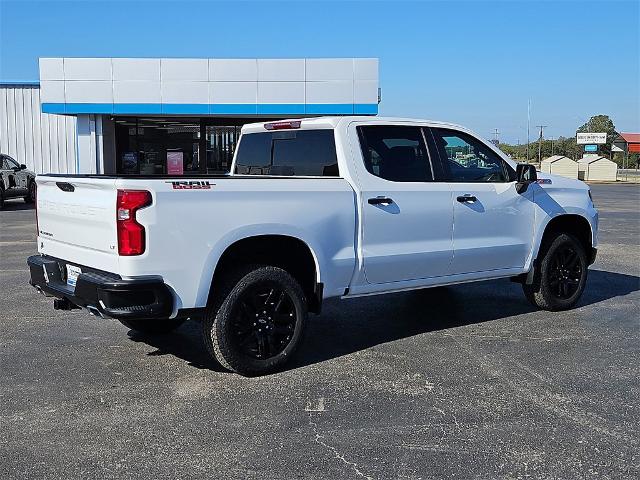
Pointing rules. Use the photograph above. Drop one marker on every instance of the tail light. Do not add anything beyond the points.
(130, 233)
(282, 125)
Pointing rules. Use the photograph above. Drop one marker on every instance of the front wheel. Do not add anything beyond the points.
(156, 326)
(31, 196)
(560, 274)
(256, 321)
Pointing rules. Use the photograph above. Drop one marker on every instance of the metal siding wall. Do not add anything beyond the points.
(45, 143)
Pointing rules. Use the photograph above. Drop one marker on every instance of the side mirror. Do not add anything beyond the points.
(23, 166)
(525, 175)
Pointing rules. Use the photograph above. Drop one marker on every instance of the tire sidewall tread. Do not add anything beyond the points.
(538, 293)
(219, 315)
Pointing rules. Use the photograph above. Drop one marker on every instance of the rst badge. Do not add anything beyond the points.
(191, 185)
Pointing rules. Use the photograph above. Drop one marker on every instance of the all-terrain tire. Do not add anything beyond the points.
(220, 325)
(545, 292)
(155, 326)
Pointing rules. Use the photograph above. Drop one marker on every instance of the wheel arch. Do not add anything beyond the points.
(571, 223)
(286, 251)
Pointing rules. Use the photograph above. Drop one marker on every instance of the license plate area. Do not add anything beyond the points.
(72, 274)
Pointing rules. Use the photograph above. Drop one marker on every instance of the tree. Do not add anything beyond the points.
(567, 147)
(601, 123)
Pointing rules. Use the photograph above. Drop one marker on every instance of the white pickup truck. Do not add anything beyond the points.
(312, 209)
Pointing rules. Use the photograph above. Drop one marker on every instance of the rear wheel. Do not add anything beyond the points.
(560, 275)
(256, 321)
(1, 198)
(156, 326)
(31, 196)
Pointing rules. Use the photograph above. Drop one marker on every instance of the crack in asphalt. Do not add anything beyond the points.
(314, 427)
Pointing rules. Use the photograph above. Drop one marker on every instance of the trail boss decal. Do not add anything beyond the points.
(191, 185)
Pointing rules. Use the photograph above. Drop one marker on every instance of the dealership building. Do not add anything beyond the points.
(167, 115)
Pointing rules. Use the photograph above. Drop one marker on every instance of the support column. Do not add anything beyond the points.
(87, 160)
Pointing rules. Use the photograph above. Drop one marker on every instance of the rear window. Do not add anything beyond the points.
(288, 153)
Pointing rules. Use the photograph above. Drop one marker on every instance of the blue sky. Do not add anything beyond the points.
(475, 63)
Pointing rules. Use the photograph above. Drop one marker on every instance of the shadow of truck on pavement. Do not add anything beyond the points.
(349, 326)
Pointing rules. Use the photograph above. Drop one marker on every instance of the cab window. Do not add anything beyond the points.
(469, 160)
(395, 152)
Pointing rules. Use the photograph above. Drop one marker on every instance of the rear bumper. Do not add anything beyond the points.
(100, 292)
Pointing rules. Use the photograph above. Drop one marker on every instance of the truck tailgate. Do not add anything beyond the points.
(76, 220)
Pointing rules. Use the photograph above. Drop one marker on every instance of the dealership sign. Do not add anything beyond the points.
(587, 138)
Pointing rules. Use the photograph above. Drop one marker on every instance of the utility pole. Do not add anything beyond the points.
(496, 138)
(541, 127)
(528, 126)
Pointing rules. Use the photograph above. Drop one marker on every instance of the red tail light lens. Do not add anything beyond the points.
(130, 233)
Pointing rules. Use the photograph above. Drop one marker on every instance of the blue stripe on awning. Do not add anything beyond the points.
(280, 108)
(233, 109)
(212, 109)
(186, 108)
(137, 108)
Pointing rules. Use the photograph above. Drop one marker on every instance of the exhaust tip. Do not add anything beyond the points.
(94, 311)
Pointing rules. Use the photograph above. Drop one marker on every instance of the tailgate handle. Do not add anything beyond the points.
(65, 187)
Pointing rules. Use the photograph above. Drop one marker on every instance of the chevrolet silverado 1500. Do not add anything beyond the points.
(312, 209)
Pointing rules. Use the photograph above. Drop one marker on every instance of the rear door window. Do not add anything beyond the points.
(307, 153)
(395, 152)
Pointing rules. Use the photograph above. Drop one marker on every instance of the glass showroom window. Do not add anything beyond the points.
(157, 146)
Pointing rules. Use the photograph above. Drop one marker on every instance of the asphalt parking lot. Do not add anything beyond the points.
(466, 382)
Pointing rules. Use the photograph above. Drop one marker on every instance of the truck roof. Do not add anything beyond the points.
(334, 121)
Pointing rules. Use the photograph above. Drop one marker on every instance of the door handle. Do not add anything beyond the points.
(466, 198)
(384, 201)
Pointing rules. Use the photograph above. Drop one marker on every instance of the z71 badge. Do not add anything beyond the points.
(192, 185)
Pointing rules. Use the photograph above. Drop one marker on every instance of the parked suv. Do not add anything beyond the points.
(312, 209)
(16, 181)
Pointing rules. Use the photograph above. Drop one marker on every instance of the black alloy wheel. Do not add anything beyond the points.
(264, 321)
(565, 272)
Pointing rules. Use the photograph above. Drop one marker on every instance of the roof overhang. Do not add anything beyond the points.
(209, 87)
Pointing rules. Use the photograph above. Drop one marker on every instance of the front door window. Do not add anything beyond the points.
(469, 160)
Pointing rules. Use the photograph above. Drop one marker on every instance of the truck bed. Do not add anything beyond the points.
(188, 229)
